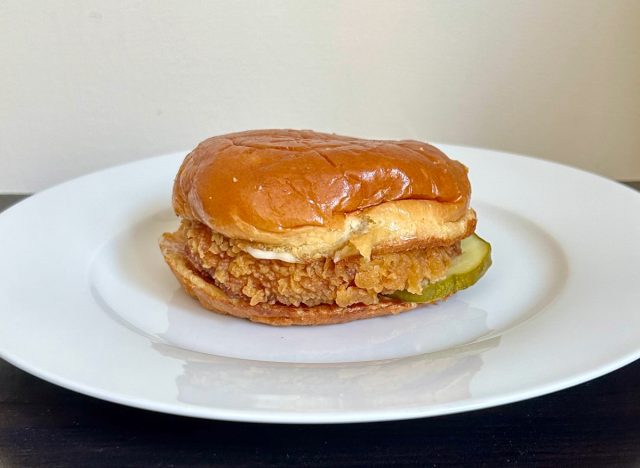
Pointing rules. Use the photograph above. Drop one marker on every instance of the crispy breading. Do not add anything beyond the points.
(352, 280)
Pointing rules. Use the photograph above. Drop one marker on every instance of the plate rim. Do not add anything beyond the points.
(357, 416)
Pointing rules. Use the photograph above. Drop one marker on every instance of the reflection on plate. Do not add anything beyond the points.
(109, 319)
(303, 387)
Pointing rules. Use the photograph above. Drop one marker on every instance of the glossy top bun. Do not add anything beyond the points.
(308, 194)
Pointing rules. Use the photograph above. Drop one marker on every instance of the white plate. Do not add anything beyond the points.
(86, 302)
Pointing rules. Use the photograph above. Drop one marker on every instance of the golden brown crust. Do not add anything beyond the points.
(349, 281)
(214, 299)
(259, 185)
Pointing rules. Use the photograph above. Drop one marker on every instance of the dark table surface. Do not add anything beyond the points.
(593, 424)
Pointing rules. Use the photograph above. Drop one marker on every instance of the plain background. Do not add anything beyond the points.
(89, 84)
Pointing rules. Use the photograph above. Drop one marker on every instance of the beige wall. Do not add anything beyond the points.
(89, 84)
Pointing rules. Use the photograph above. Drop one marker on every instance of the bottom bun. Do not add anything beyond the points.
(215, 299)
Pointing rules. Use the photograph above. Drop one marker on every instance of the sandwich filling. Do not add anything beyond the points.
(351, 280)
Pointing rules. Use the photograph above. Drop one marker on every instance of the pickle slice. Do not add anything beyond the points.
(465, 270)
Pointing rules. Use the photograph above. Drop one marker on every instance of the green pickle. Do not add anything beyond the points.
(464, 271)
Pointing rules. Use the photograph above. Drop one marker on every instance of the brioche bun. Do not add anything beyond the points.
(311, 195)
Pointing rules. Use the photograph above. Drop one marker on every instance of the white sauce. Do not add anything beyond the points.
(269, 255)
